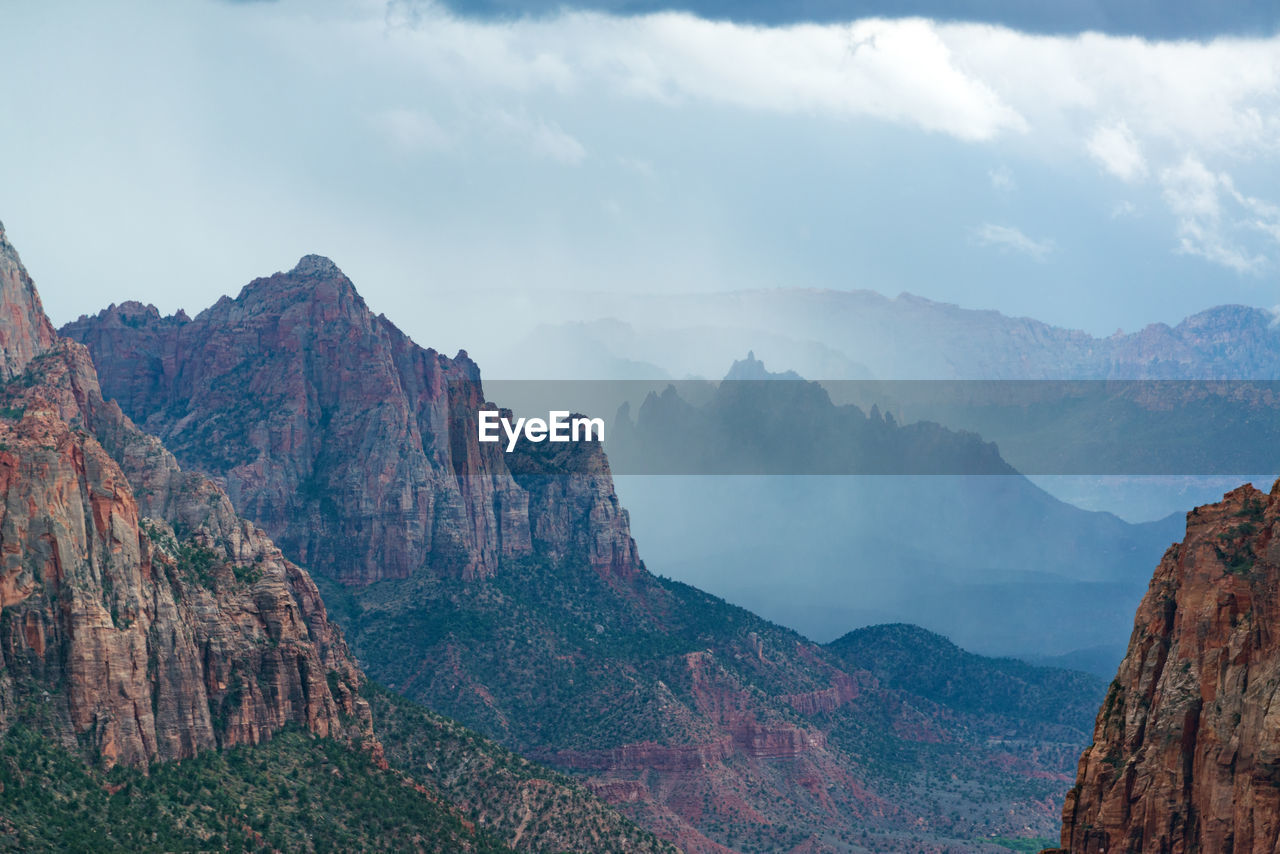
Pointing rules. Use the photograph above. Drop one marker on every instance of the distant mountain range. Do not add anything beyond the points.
(835, 335)
(840, 334)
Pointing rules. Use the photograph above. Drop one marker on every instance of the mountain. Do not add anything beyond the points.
(816, 331)
(760, 422)
(610, 349)
(1006, 695)
(162, 622)
(955, 539)
(288, 794)
(519, 605)
(1186, 749)
(143, 621)
(352, 446)
(835, 335)
(752, 368)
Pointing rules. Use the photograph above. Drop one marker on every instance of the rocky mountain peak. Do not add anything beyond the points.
(315, 265)
(149, 621)
(356, 449)
(752, 368)
(314, 293)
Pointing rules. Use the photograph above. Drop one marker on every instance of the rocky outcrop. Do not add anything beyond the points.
(142, 618)
(647, 756)
(25, 331)
(353, 447)
(1186, 751)
(844, 689)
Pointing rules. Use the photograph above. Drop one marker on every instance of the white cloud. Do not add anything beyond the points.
(1217, 97)
(1008, 238)
(1216, 221)
(333, 85)
(897, 71)
(1134, 107)
(1115, 147)
(1114, 98)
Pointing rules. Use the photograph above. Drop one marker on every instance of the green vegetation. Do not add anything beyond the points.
(299, 792)
(1236, 549)
(585, 665)
(293, 793)
(1254, 508)
(198, 562)
(926, 664)
(549, 657)
(498, 789)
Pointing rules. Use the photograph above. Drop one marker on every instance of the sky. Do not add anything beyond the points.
(1100, 179)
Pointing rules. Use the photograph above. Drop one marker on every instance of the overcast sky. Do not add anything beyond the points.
(170, 152)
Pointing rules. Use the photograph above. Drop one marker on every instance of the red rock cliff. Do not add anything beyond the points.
(352, 446)
(1186, 752)
(141, 618)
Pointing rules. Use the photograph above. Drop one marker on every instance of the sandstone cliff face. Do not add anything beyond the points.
(141, 618)
(1186, 752)
(352, 446)
(25, 331)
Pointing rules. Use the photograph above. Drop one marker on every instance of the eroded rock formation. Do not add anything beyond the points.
(142, 618)
(353, 447)
(1186, 752)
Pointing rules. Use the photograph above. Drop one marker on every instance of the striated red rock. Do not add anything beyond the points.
(844, 690)
(353, 447)
(647, 756)
(1186, 752)
(142, 618)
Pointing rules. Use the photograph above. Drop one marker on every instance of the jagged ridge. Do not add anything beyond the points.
(352, 446)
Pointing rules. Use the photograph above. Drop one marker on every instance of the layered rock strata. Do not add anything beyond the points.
(142, 618)
(1186, 752)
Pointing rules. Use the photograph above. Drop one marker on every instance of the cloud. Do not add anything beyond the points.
(1196, 19)
(734, 122)
(897, 71)
(1215, 221)
(542, 138)
(1007, 238)
(1115, 147)
(1127, 103)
